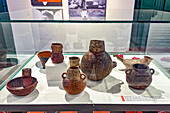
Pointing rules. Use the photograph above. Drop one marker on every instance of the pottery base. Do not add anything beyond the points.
(54, 71)
(139, 87)
(77, 95)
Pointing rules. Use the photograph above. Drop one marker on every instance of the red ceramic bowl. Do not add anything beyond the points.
(22, 86)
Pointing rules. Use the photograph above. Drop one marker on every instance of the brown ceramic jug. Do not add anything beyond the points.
(57, 53)
(97, 63)
(140, 76)
(74, 81)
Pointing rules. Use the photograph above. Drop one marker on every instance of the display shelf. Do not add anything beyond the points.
(112, 93)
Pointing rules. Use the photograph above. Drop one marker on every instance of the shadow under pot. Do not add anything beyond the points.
(97, 63)
(74, 81)
(57, 53)
(44, 56)
(139, 77)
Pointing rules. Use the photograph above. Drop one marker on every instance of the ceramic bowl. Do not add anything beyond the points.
(44, 56)
(22, 86)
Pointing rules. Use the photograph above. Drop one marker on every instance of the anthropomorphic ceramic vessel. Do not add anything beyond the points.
(97, 63)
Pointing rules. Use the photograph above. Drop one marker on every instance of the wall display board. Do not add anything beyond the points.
(87, 9)
(49, 9)
(45, 3)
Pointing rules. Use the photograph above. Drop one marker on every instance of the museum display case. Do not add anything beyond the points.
(112, 93)
(28, 45)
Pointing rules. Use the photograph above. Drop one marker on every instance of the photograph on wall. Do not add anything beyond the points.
(45, 3)
(47, 9)
(87, 9)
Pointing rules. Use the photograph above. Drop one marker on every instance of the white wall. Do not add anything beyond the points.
(76, 36)
(120, 9)
(22, 32)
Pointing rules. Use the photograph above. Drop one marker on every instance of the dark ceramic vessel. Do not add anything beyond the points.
(97, 63)
(57, 53)
(44, 56)
(74, 81)
(140, 76)
(22, 86)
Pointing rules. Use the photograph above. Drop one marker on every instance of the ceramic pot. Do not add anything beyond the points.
(44, 56)
(57, 53)
(97, 63)
(140, 76)
(26, 72)
(22, 86)
(129, 62)
(74, 61)
(74, 81)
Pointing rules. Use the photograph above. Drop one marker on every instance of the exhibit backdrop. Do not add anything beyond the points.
(87, 9)
(74, 36)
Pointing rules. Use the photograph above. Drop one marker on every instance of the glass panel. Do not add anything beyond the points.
(75, 37)
(158, 44)
(16, 48)
(20, 40)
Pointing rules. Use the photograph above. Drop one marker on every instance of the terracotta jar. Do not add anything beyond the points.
(74, 61)
(140, 76)
(57, 53)
(74, 81)
(97, 63)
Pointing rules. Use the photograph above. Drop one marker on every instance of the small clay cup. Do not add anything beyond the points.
(26, 72)
(57, 47)
(74, 61)
(44, 56)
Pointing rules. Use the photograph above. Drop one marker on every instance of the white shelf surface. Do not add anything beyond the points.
(108, 91)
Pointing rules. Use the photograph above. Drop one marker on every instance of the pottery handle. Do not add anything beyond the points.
(128, 71)
(63, 75)
(114, 64)
(83, 78)
(152, 71)
(118, 57)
